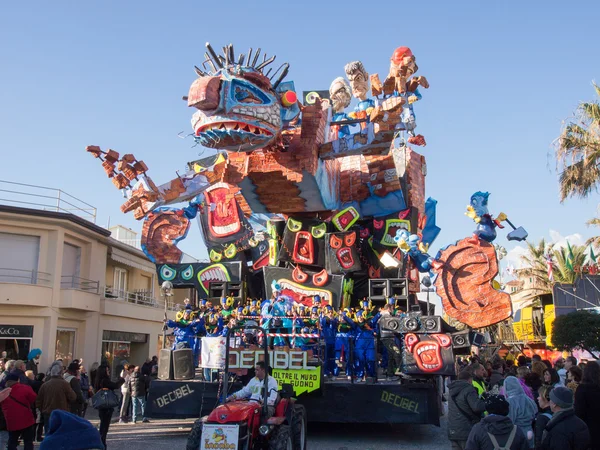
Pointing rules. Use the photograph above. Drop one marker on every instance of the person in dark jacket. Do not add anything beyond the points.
(72, 376)
(464, 409)
(497, 375)
(103, 382)
(565, 431)
(17, 413)
(86, 389)
(137, 388)
(19, 370)
(587, 402)
(544, 415)
(496, 429)
(54, 394)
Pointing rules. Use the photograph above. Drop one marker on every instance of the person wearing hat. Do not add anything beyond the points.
(69, 432)
(565, 431)
(329, 325)
(16, 408)
(496, 430)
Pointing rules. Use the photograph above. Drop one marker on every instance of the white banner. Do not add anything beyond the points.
(213, 353)
(217, 436)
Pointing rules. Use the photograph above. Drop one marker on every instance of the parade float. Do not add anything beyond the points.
(304, 198)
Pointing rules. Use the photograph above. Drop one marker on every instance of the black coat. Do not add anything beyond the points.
(496, 378)
(500, 427)
(541, 421)
(138, 384)
(464, 409)
(587, 408)
(566, 431)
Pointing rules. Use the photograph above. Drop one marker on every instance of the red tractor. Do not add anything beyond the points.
(245, 425)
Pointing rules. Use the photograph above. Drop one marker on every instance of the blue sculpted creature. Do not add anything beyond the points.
(486, 225)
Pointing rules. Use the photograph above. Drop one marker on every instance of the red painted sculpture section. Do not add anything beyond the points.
(464, 283)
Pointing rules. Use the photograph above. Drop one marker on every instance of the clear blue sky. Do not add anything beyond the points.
(503, 76)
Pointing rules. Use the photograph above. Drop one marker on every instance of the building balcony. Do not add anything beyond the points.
(136, 304)
(79, 293)
(25, 287)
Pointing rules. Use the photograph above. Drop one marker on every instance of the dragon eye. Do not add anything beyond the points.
(188, 273)
(167, 273)
(335, 242)
(349, 239)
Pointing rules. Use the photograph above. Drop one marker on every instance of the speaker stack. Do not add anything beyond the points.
(165, 364)
(412, 324)
(380, 289)
(463, 340)
(183, 364)
(220, 289)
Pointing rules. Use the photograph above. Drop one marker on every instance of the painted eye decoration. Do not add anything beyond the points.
(349, 239)
(245, 96)
(299, 275)
(215, 256)
(253, 242)
(294, 225)
(243, 92)
(321, 278)
(230, 251)
(167, 273)
(335, 242)
(188, 273)
(378, 224)
(289, 98)
(319, 231)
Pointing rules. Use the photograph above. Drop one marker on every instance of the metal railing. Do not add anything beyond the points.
(25, 277)
(45, 198)
(137, 297)
(82, 284)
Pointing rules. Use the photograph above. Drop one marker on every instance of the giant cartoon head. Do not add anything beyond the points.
(479, 201)
(239, 107)
(402, 63)
(359, 79)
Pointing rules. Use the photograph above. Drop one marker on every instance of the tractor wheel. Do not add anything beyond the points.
(193, 442)
(299, 427)
(281, 439)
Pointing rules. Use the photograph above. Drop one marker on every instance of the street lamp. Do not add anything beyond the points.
(166, 291)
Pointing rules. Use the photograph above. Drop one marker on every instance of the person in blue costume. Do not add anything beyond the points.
(342, 345)
(186, 327)
(329, 326)
(364, 345)
(486, 224)
(359, 82)
(340, 95)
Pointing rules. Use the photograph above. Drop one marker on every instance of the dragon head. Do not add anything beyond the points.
(239, 107)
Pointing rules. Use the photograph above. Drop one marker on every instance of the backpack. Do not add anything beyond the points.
(509, 442)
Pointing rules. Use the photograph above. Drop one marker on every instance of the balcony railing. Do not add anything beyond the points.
(137, 297)
(25, 277)
(82, 284)
(42, 197)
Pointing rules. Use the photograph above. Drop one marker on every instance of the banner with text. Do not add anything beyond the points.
(302, 380)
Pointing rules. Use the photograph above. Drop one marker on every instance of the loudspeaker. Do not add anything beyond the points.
(463, 340)
(165, 364)
(378, 289)
(236, 290)
(217, 289)
(183, 364)
(390, 323)
(398, 287)
(431, 324)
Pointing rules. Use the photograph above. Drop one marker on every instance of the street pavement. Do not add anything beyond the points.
(172, 435)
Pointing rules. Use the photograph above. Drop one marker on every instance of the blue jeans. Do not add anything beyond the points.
(3, 439)
(139, 407)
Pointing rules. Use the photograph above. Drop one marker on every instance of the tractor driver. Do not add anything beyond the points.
(254, 389)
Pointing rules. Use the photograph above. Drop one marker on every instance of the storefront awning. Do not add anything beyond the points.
(131, 260)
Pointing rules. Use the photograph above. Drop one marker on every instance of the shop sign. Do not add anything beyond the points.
(16, 331)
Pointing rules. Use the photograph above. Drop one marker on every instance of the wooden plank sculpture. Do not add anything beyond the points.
(464, 283)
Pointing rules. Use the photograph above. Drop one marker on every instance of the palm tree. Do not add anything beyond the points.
(566, 262)
(578, 152)
(536, 265)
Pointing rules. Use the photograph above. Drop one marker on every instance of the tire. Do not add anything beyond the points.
(281, 439)
(299, 427)
(193, 442)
